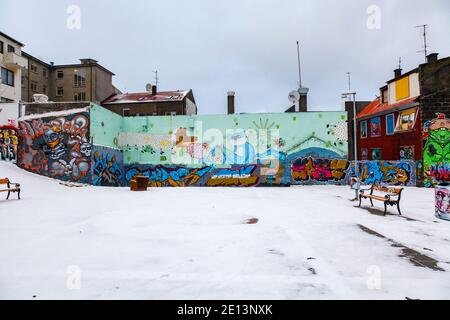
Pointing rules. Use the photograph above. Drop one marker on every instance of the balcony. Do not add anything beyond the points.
(12, 60)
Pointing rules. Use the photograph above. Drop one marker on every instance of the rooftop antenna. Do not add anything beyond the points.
(156, 77)
(299, 69)
(349, 81)
(425, 44)
(400, 62)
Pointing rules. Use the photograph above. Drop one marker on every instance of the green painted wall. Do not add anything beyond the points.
(150, 140)
(105, 126)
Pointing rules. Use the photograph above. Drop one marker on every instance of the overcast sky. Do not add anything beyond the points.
(213, 46)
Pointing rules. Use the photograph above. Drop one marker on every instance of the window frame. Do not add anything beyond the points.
(399, 122)
(11, 48)
(58, 73)
(8, 72)
(381, 131)
(57, 91)
(2, 47)
(390, 115)
(361, 131)
(372, 151)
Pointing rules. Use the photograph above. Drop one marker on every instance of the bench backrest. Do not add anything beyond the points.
(385, 189)
(4, 181)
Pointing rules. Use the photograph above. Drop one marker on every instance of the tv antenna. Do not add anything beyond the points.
(299, 68)
(400, 62)
(349, 81)
(156, 77)
(425, 44)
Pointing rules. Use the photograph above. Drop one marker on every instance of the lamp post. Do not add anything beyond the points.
(355, 140)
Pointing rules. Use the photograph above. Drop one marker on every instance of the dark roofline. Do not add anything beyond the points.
(403, 75)
(11, 38)
(75, 65)
(80, 65)
(29, 56)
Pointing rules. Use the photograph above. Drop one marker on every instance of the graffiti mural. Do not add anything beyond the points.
(244, 176)
(312, 170)
(442, 202)
(396, 173)
(436, 153)
(169, 176)
(107, 167)
(8, 143)
(58, 147)
(407, 153)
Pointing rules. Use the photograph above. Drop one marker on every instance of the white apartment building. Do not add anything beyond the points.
(11, 65)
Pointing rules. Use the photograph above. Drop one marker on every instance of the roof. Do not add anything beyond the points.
(11, 38)
(142, 97)
(376, 107)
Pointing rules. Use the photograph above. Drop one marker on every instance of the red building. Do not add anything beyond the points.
(390, 127)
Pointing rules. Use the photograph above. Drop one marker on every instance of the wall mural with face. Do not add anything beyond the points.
(56, 146)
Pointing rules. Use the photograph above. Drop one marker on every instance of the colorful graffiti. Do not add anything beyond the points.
(436, 153)
(168, 176)
(407, 153)
(442, 202)
(312, 170)
(397, 173)
(57, 147)
(173, 176)
(245, 176)
(107, 167)
(8, 143)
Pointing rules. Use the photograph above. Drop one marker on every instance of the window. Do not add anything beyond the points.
(59, 74)
(33, 86)
(384, 96)
(406, 120)
(376, 154)
(59, 91)
(44, 73)
(402, 88)
(33, 68)
(44, 89)
(79, 81)
(390, 125)
(375, 127)
(364, 129)
(22, 81)
(7, 77)
(364, 154)
(2, 99)
(1, 46)
(79, 96)
(407, 153)
(11, 48)
(126, 112)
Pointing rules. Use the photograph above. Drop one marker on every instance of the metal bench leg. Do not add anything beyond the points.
(360, 198)
(385, 208)
(371, 202)
(7, 197)
(398, 207)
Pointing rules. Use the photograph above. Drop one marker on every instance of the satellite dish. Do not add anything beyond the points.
(148, 87)
(294, 96)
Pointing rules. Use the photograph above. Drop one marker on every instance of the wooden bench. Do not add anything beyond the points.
(9, 187)
(389, 196)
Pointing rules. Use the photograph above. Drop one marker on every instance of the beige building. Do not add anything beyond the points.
(11, 64)
(86, 81)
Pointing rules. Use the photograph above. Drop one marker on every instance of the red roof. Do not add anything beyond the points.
(376, 107)
(162, 96)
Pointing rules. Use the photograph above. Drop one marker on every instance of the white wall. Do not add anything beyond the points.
(13, 93)
(9, 112)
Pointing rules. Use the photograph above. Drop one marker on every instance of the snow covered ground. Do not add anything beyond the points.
(193, 243)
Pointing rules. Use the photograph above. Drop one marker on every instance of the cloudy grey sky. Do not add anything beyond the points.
(248, 46)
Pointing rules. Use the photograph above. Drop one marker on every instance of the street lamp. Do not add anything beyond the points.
(355, 140)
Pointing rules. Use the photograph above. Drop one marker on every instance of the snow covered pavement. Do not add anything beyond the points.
(193, 243)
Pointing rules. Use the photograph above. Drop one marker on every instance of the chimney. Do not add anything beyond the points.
(397, 72)
(153, 89)
(230, 102)
(432, 57)
(303, 103)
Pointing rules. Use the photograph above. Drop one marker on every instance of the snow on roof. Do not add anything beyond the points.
(53, 114)
(141, 97)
